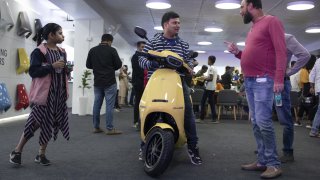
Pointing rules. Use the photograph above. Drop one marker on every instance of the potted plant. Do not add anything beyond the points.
(83, 101)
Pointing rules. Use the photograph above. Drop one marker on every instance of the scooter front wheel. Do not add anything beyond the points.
(158, 151)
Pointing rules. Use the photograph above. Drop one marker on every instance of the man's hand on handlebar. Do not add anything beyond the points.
(155, 64)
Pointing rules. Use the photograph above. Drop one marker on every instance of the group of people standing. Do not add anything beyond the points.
(265, 73)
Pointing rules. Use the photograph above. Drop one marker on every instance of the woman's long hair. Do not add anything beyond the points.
(44, 32)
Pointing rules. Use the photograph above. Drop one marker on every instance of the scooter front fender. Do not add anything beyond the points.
(162, 126)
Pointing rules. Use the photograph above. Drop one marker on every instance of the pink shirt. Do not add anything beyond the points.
(265, 51)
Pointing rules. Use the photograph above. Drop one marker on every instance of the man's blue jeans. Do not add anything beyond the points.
(109, 94)
(189, 118)
(285, 118)
(316, 120)
(260, 99)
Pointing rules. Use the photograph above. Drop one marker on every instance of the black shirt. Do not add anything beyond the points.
(137, 71)
(104, 60)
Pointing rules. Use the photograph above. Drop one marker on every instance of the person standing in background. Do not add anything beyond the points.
(284, 111)
(226, 78)
(315, 89)
(104, 60)
(263, 62)
(210, 87)
(123, 86)
(137, 82)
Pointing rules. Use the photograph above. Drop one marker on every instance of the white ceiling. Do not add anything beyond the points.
(194, 16)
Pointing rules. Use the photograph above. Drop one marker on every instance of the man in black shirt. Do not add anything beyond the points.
(137, 82)
(104, 60)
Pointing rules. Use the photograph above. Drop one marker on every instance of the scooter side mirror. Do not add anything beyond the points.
(141, 32)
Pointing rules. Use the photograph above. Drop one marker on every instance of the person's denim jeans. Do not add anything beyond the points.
(109, 94)
(285, 118)
(316, 120)
(189, 118)
(208, 94)
(260, 99)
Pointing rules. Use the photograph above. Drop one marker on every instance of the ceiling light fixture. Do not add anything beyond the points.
(213, 29)
(300, 5)
(228, 4)
(158, 28)
(241, 43)
(201, 52)
(204, 43)
(313, 29)
(158, 4)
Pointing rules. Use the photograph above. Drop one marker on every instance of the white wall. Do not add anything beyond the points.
(10, 41)
(87, 35)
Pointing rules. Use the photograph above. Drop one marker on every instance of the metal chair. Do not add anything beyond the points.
(196, 96)
(227, 97)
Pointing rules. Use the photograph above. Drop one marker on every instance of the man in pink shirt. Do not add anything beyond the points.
(263, 62)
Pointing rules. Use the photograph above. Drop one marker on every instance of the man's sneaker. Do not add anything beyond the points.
(15, 157)
(308, 126)
(97, 130)
(140, 155)
(316, 135)
(255, 166)
(41, 159)
(271, 172)
(193, 153)
(297, 124)
(113, 132)
(287, 158)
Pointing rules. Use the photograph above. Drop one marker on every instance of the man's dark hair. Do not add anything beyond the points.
(204, 67)
(228, 68)
(107, 37)
(167, 16)
(311, 62)
(255, 3)
(212, 59)
(140, 42)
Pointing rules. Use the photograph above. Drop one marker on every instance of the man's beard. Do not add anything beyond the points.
(247, 18)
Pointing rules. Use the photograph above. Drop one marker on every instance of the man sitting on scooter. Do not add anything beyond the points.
(169, 40)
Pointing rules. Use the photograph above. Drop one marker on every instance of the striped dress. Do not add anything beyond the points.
(54, 116)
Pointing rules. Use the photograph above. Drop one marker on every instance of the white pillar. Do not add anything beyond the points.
(88, 34)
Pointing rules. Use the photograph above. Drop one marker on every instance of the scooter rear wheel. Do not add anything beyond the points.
(158, 151)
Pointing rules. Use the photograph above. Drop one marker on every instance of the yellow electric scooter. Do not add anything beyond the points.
(162, 110)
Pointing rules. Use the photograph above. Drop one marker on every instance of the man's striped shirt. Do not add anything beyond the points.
(160, 43)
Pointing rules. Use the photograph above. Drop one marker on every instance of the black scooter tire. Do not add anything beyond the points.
(156, 162)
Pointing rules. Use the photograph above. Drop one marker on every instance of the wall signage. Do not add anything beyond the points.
(3, 56)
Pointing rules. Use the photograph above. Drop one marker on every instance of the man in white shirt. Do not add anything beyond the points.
(314, 79)
(209, 90)
(295, 79)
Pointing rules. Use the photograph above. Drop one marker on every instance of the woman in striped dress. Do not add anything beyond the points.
(48, 93)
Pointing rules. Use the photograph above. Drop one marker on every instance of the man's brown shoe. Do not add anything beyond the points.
(271, 172)
(253, 167)
(97, 130)
(113, 132)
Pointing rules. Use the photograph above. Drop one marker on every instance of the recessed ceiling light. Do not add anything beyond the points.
(201, 52)
(226, 51)
(158, 4)
(205, 43)
(213, 29)
(300, 5)
(241, 43)
(227, 4)
(315, 29)
(158, 28)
